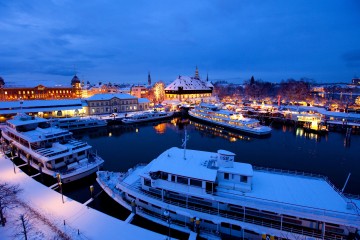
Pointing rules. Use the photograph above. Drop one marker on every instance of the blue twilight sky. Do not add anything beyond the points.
(120, 41)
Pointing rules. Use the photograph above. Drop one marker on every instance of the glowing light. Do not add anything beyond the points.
(110, 134)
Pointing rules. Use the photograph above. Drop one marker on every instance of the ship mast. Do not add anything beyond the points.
(186, 138)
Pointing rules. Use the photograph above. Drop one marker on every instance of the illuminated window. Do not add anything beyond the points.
(5, 92)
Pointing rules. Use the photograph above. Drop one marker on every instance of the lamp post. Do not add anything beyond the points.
(62, 196)
(91, 190)
(168, 220)
(58, 176)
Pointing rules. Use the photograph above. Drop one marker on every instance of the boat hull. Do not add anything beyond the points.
(247, 131)
(66, 177)
(132, 121)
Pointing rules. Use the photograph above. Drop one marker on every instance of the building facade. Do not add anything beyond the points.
(189, 88)
(139, 91)
(114, 103)
(40, 92)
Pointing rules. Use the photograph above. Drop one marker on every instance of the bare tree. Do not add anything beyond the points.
(7, 199)
(23, 226)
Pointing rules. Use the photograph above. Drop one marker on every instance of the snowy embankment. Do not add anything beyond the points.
(50, 218)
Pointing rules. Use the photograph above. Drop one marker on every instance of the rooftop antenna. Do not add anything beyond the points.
(186, 138)
(21, 104)
(342, 190)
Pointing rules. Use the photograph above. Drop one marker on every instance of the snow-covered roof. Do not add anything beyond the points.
(172, 161)
(143, 100)
(39, 106)
(108, 96)
(39, 103)
(195, 165)
(188, 83)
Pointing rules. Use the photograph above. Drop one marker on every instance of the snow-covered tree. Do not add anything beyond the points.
(7, 199)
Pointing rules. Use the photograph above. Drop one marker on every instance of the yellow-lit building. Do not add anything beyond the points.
(139, 91)
(189, 88)
(40, 92)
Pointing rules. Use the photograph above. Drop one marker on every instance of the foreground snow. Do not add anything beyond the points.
(47, 214)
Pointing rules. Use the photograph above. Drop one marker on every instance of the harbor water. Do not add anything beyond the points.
(288, 148)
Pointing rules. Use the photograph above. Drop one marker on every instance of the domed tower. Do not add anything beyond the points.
(76, 85)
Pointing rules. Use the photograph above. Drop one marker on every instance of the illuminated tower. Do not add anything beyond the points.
(149, 79)
(76, 85)
(197, 73)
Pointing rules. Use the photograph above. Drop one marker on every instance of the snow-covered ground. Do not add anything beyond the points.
(47, 214)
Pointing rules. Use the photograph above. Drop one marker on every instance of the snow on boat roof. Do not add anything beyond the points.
(225, 152)
(172, 161)
(296, 190)
(108, 96)
(39, 133)
(20, 120)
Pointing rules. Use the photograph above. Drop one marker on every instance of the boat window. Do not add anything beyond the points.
(196, 183)
(59, 160)
(173, 178)
(147, 182)
(226, 175)
(81, 153)
(236, 227)
(182, 180)
(164, 176)
(243, 179)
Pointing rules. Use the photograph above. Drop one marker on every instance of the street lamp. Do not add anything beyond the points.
(168, 220)
(58, 176)
(91, 190)
(62, 195)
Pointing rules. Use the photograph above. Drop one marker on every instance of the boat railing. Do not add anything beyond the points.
(133, 169)
(226, 214)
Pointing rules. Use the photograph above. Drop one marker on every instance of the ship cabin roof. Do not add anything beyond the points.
(23, 119)
(40, 134)
(196, 165)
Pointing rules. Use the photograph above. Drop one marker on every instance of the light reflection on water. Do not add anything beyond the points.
(288, 148)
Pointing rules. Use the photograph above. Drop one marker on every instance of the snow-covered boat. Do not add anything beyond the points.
(77, 123)
(147, 116)
(50, 149)
(210, 194)
(229, 119)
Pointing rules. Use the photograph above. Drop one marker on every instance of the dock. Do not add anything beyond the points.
(82, 222)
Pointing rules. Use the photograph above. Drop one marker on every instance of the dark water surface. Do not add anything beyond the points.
(287, 148)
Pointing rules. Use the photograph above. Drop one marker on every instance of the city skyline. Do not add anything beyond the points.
(120, 42)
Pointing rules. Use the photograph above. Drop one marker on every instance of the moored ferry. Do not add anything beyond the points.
(228, 119)
(49, 149)
(212, 195)
(147, 116)
(77, 123)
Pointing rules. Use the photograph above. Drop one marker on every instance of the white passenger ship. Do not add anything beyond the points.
(229, 119)
(147, 116)
(210, 194)
(77, 123)
(50, 149)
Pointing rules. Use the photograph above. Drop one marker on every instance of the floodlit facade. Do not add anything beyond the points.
(189, 88)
